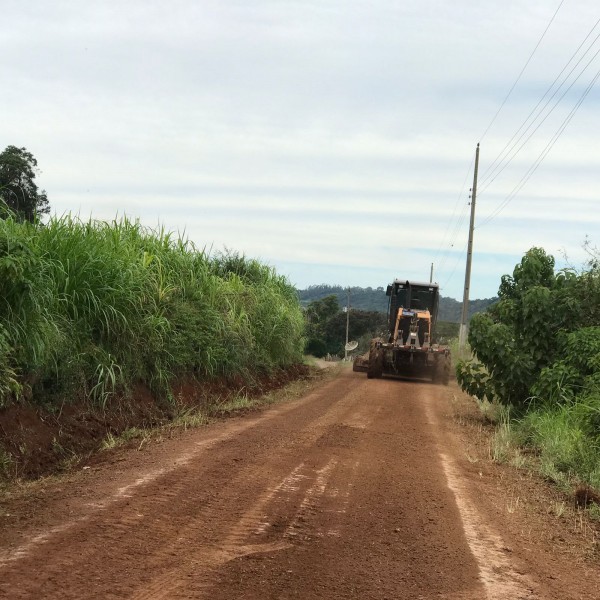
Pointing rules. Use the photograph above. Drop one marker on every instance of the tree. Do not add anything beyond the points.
(317, 315)
(18, 190)
(326, 326)
(541, 339)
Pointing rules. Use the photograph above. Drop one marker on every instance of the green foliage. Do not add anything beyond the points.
(474, 379)
(535, 269)
(587, 290)
(9, 386)
(538, 349)
(18, 191)
(445, 331)
(523, 334)
(583, 349)
(94, 307)
(318, 314)
(326, 326)
(557, 383)
(567, 438)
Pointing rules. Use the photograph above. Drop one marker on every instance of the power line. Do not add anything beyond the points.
(458, 258)
(462, 189)
(501, 166)
(490, 181)
(540, 158)
(462, 217)
(521, 73)
(543, 154)
(456, 231)
(493, 163)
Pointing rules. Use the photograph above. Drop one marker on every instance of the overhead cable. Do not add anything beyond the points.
(451, 220)
(455, 232)
(521, 73)
(500, 167)
(489, 169)
(458, 258)
(542, 155)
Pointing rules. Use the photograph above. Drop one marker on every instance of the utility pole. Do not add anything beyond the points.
(347, 325)
(462, 335)
(431, 274)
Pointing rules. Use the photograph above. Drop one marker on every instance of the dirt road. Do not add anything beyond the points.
(354, 491)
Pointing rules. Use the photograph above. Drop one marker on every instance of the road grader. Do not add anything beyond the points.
(410, 349)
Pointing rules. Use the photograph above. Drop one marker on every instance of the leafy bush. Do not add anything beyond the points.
(538, 350)
(533, 339)
(474, 379)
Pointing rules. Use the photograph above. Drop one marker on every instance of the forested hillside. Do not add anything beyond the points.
(374, 299)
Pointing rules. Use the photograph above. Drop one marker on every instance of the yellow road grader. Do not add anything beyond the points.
(410, 349)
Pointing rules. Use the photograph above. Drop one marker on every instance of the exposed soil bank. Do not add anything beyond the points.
(39, 440)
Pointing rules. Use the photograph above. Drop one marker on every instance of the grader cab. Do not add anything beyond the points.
(410, 349)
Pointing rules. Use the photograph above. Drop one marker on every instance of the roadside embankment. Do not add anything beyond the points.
(42, 440)
(108, 327)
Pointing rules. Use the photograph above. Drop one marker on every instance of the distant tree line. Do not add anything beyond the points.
(374, 300)
(326, 327)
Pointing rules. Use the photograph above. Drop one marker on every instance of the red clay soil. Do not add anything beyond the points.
(360, 489)
(41, 440)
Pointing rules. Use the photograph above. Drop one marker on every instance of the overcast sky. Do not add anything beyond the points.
(329, 138)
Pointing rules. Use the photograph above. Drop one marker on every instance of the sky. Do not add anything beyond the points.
(332, 139)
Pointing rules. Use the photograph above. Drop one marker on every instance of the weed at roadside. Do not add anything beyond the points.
(189, 418)
(7, 464)
(594, 512)
(112, 441)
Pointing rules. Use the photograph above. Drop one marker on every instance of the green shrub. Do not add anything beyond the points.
(538, 350)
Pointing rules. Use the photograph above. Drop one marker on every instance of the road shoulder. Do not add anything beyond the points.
(543, 532)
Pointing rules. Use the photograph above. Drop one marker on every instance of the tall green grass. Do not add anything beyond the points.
(566, 439)
(91, 307)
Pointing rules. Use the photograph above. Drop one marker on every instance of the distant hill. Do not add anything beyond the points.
(374, 299)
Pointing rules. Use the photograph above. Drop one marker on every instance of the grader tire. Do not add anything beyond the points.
(375, 369)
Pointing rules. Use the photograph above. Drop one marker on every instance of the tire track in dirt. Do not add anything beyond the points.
(351, 492)
(245, 537)
(268, 526)
(119, 522)
(502, 578)
(206, 443)
(369, 534)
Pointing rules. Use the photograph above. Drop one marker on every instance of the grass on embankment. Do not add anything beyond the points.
(95, 313)
(560, 443)
(554, 442)
(91, 308)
